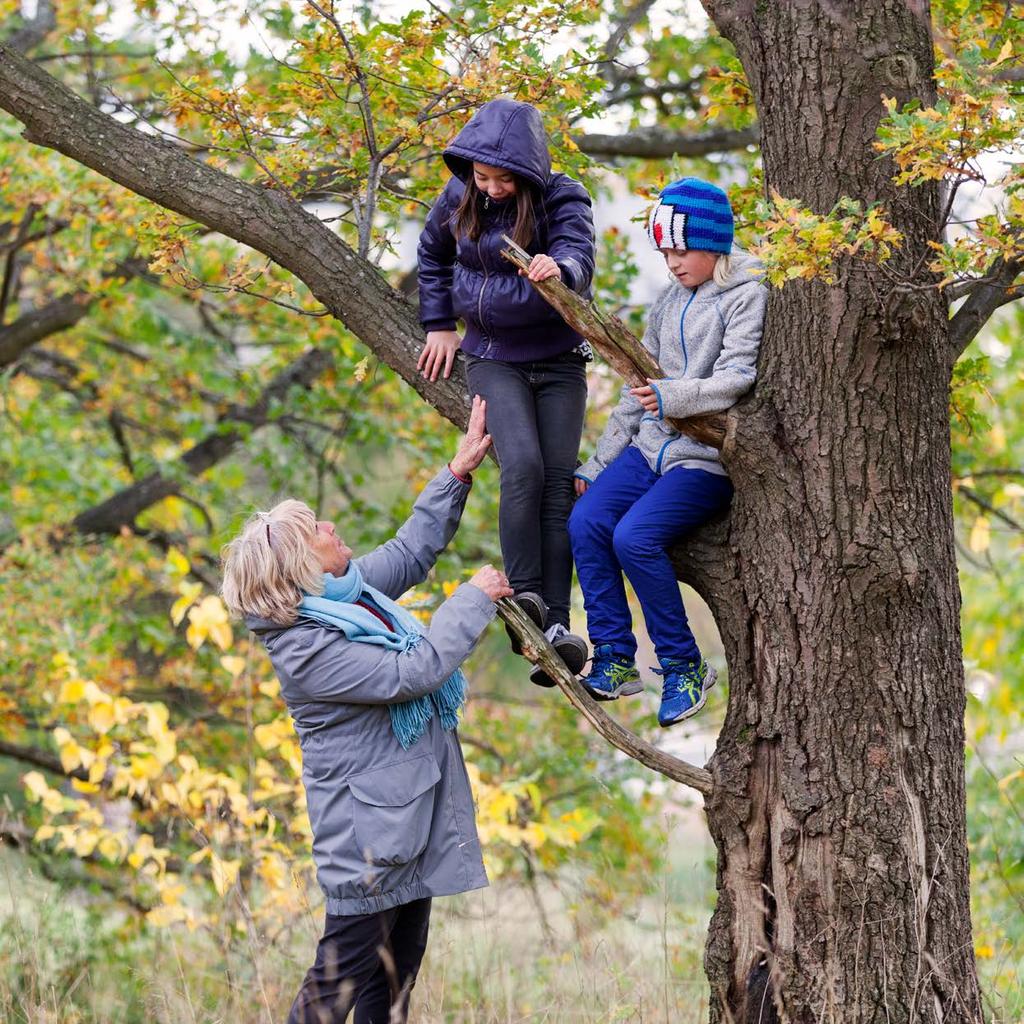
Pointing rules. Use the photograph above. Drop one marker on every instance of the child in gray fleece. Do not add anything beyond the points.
(648, 484)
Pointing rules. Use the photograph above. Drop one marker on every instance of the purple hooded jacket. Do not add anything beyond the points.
(469, 280)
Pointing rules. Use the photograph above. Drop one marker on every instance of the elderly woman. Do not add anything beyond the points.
(374, 699)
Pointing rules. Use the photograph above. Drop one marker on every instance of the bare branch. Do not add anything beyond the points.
(995, 289)
(660, 143)
(122, 508)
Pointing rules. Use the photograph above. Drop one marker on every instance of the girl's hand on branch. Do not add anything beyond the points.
(438, 353)
(646, 397)
(541, 268)
(474, 445)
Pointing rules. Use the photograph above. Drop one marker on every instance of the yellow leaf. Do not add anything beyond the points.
(84, 787)
(189, 592)
(1004, 54)
(271, 688)
(45, 832)
(981, 535)
(232, 664)
(224, 872)
(984, 952)
(72, 691)
(177, 563)
(36, 785)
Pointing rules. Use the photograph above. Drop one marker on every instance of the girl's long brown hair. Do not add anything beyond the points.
(467, 220)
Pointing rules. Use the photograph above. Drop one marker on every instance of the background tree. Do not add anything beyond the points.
(838, 793)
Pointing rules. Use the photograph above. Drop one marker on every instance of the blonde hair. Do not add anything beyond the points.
(723, 270)
(271, 563)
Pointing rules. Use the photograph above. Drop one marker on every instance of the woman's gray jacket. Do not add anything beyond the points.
(389, 825)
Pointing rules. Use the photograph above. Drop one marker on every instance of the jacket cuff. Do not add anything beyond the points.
(570, 272)
(588, 471)
(467, 480)
(439, 325)
(472, 593)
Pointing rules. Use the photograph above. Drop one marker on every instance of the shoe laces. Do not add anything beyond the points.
(681, 677)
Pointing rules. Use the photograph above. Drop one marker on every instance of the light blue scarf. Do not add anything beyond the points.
(337, 608)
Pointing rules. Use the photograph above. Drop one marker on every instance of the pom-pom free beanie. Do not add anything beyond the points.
(691, 214)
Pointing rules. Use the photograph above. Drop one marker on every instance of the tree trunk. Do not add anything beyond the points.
(838, 809)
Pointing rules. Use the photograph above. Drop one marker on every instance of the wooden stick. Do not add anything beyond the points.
(614, 340)
(537, 649)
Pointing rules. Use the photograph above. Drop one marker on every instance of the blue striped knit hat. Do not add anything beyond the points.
(691, 214)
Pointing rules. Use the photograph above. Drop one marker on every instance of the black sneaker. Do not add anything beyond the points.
(535, 608)
(571, 649)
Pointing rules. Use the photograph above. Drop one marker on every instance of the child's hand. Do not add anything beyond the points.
(581, 486)
(541, 268)
(438, 353)
(646, 397)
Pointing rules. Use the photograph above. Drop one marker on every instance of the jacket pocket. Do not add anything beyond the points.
(392, 808)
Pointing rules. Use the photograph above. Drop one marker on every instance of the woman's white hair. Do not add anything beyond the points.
(271, 564)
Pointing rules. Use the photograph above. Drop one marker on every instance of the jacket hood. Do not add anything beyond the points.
(259, 625)
(743, 268)
(502, 133)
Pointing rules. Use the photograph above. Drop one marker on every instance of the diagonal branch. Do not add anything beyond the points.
(273, 223)
(995, 289)
(537, 649)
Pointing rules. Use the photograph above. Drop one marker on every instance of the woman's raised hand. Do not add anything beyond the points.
(473, 447)
(438, 353)
(492, 582)
(541, 268)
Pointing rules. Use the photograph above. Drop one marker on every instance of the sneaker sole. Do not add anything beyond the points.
(622, 690)
(572, 651)
(535, 612)
(690, 712)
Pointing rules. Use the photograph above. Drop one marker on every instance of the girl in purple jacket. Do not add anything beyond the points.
(521, 356)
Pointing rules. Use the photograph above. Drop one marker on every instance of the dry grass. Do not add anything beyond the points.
(491, 960)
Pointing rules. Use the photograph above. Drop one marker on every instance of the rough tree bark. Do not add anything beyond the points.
(837, 792)
(839, 807)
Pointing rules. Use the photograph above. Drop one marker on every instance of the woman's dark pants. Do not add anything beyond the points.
(366, 961)
(535, 416)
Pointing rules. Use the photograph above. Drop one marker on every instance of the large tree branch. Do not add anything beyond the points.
(122, 508)
(269, 221)
(660, 143)
(987, 295)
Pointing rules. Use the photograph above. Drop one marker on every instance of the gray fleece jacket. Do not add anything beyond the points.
(389, 825)
(705, 340)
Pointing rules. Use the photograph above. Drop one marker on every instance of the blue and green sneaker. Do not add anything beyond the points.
(611, 676)
(685, 689)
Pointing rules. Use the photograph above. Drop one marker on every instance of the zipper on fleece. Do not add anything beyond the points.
(682, 328)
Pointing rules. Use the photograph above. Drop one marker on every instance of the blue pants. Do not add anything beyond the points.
(625, 522)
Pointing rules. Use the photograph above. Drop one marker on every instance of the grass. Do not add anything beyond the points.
(490, 960)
